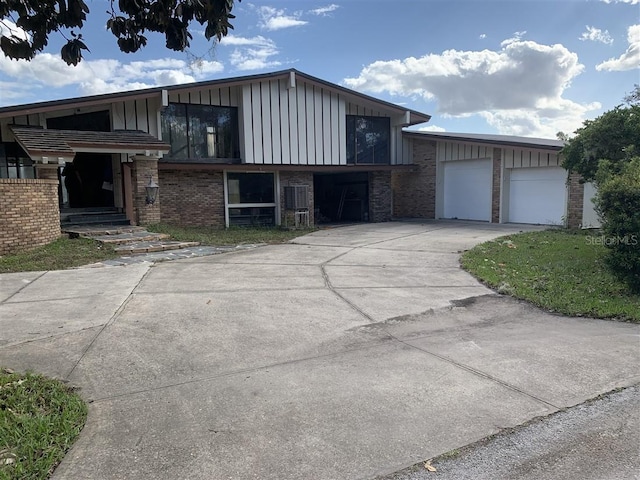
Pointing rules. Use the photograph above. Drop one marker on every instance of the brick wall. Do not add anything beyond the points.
(575, 205)
(495, 192)
(296, 178)
(29, 216)
(192, 197)
(414, 192)
(143, 168)
(380, 197)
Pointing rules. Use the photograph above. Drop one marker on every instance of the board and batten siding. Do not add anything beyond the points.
(526, 158)
(301, 125)
(450, 151)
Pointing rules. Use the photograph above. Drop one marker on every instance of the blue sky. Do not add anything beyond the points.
(516, 67)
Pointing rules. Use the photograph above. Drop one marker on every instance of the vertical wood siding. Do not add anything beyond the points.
(524, 158)
(450, 151)
(304, 125)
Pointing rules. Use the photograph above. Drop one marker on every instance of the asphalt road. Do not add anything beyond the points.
(597, 440)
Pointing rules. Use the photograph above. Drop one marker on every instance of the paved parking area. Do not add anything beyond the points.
(352, 352)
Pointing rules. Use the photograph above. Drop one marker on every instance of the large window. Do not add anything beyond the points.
(14, 162)
(251, 198)
(368, 140)
(201, 131)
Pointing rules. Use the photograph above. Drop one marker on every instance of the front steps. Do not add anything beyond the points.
(127, 240)
(92, 216)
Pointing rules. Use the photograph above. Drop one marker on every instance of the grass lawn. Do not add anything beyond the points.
(40, 419)
(58, 255)
(228, 236)
(65, 253)
(559, 270)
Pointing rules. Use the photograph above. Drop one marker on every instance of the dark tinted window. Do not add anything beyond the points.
(368, 140)
(201, 131)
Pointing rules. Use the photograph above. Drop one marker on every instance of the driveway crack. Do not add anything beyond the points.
(109, 322)
(474, 371)
(23, 287)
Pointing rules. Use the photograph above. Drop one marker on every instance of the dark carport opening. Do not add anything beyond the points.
(341, 197)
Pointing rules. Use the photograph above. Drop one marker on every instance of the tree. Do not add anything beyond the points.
(613, 136)
(607, 151)
(128, 20)
(618, 203)
(634, 97)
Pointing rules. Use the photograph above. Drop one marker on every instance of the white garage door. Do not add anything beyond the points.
(467, 189)
(537, 195)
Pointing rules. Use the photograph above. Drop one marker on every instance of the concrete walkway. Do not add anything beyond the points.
(351, 353)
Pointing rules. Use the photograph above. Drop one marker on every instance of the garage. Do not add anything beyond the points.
(341, 197)
(537, 195)
(467, 189)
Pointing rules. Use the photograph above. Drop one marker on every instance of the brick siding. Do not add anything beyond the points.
(192, 197)
(289, 179)
(30, 216)
(380, 197)
(576, 197)
(143, 168)
(414, 192)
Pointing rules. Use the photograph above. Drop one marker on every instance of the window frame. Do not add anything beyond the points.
(14, 159)
(276, 196)
(352, 157)
(190, 136)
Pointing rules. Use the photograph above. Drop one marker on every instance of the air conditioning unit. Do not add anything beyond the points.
(296, 197)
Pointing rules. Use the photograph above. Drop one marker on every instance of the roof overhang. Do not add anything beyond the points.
(60, 146)
(496, 140)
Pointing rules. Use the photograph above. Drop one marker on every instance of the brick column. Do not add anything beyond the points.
(143, 168)
(496, 187)
(380, 196)
(414, 192)
(576, 198)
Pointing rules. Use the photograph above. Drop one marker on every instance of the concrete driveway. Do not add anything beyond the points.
(352, 352)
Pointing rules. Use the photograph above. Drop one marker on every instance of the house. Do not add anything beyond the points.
(264, 149)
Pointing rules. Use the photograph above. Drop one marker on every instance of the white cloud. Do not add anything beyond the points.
(431, 128)
(630, 2)
(106, 75)
(252, 53)
(482, 36)
(596, 35)
(274, 19)
(518, 89)
(325, 10)
(232, 40)
(629, 59)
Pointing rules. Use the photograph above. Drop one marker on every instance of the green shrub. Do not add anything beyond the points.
(618, 203)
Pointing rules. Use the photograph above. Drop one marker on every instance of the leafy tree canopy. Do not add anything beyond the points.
(128, 20)
(614, 136)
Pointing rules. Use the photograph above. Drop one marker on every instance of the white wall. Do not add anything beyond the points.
(590, 218)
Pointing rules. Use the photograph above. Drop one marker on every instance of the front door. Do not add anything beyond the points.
(87, 182)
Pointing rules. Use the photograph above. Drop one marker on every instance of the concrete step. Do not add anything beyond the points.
(153, 246)
(110, 218)
(99, 230)
(124, 238)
